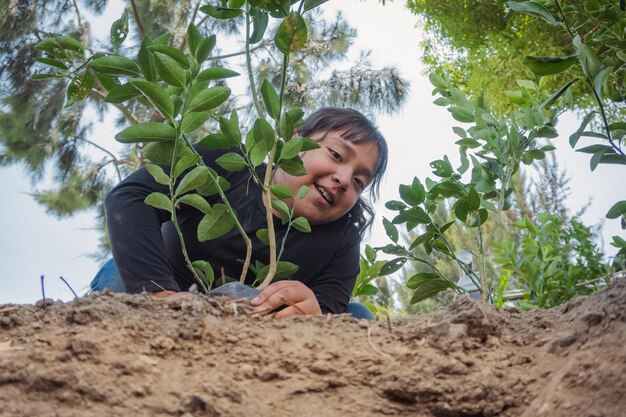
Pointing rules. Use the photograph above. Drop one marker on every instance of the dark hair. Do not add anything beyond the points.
(357, 129)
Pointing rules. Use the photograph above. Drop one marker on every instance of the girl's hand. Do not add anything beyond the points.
(298, 298)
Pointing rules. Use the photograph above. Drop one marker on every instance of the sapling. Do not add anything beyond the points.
(183, 94)
(494, 148)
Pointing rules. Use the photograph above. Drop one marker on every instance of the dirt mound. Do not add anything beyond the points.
(121, 355)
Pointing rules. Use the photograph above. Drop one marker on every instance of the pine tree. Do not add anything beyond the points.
(41, 127)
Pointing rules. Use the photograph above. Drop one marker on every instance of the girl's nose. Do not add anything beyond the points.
(342, 178)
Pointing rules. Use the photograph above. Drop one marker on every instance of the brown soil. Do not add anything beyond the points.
(121, 355)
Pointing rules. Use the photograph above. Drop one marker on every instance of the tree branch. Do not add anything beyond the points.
(137, 20)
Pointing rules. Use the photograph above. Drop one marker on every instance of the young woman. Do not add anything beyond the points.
(352, 158)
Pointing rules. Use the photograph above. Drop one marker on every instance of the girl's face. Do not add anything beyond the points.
(337, 173)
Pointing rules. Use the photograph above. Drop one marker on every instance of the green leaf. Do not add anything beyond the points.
(438, 81)
(205, 48)
(203, 268)
(263, 236)
(410, 196)
(162, 152)
(533, 9)
(79, 87)
(302, 192)
(365, 290)
(174, 53)
(370, 254)
(231, 161)
(416, 215)
(600, 80)
(158, 174)
(146, 62)
(447, 189)
(421, 239)
(222, 13)
(194, 120)
(587, 58)
(119, 30)
(291, 34)
(270, 99)
(293, 167)
(185, 163)
(193, 38)
(52, 63)
(392, 266)
(311, 4)
(473, 199)
(427, 285)
(550, 101)
(122, 93)
(216, 73)
(549, 65)
(215, 141)
(170, 70)
(618, 209)
(462, 114)
(468, 143)
(209, 99)
(442, 168)
(395, 205)
(216, 224)
(147, 132)
(196, 201)
(160, 201)
(618, 242)
(212, 187)
(284, 270)
(114, 66)
(592, 149)
(281, 207)
(308, 144)
(157, 96)
(291, 148)
(230, 128)
(301, 224)
(460, 210)
(573, 139)
(260, 19)
(281, 191)
(56, 45)
(391, 230)
(260, 141)
(194, 179)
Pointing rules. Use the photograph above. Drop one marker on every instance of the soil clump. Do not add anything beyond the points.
(131, 355)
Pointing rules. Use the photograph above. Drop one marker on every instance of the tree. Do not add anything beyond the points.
(42, 124)
(485, 45)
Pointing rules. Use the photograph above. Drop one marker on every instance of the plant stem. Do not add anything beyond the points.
(267, 194)
(218, 57)
(114, 158)
(253, 92)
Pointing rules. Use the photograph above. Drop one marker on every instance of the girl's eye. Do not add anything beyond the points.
(360, 184)
(335, 155)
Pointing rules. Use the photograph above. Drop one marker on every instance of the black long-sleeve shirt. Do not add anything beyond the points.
(148, 254)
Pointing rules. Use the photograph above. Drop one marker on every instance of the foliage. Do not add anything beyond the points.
(496, 147)
(554, 263)
(180, 94)
(46, 124)
(485, 46)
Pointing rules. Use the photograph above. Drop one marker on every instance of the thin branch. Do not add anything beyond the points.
(255, 98)
(77, 13)
(129, 116)
(218, 57)
(114, 158)
(137, 20)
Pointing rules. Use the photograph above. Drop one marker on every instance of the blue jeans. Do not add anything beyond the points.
(109, 278)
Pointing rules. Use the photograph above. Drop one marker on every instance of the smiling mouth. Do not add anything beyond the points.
(324, 194)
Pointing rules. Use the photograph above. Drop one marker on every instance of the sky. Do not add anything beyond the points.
(33, 244)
